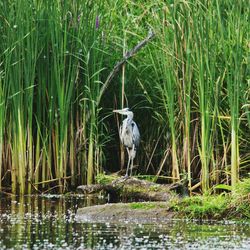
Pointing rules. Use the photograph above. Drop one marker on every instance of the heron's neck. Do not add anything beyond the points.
(130, 115)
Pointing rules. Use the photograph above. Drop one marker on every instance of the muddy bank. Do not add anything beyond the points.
(131, 212)
(163, 202)
(138, 200)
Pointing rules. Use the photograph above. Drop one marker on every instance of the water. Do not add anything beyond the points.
(48, 222)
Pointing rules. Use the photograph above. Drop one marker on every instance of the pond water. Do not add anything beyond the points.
(48, 222)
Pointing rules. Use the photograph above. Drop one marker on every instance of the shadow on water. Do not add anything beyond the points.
(48, 222)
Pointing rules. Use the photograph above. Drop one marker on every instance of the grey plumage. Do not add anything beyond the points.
(129, 136)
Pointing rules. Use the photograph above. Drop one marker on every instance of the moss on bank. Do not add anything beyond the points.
(148, 205)
(142, 205)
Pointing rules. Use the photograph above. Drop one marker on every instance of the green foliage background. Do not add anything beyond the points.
(189, 89)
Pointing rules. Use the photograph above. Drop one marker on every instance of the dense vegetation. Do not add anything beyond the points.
(189, 89)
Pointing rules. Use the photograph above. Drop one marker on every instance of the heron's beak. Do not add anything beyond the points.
(116, 110)
(121, 111)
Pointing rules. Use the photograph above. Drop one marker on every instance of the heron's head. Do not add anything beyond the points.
(124, 111)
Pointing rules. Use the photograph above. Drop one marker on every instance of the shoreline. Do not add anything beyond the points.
(154, 212)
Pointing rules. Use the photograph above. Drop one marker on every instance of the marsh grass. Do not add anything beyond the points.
(189, 89)
(197, 95)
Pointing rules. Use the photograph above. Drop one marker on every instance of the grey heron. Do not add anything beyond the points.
(129, 136)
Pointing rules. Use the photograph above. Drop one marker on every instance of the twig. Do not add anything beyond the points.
(128, 55)
(35, 187)
(51, 189)
(6, 193)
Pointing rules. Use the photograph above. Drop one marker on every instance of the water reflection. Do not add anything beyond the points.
(48, 222)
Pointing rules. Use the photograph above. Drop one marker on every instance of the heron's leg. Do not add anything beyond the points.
(131, 168)
(132, 158)
(129, 158)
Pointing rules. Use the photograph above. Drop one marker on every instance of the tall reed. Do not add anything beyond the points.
(52, 66)
(3, 104)
(235, 33)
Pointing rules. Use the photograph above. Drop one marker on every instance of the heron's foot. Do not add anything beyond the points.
(126, 176)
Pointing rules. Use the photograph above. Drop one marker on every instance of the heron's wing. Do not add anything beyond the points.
(123, 129)
(135, 134)
(120, 132)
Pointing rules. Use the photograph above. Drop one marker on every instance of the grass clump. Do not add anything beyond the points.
(242, 189)
(201, 207)
(240, 204)
(105, 179)
(231, 205)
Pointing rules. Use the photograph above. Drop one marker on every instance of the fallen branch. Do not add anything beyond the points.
(128, 55)
(117, 66)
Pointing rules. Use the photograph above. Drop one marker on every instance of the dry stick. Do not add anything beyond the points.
(152, 154)
(52, 180)
(123, 75)
(163, 162)
(195, 186)
(122, 156)
(128, 55)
